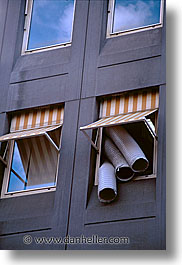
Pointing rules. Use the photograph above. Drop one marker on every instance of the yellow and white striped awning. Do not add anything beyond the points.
(119, 119)
(37, 118)
(36, 132)
(127, 108)
(130, 102)
(27, 133)
(35, 123)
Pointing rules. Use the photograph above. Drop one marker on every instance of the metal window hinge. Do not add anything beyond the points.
(52, 142)
(90, 140)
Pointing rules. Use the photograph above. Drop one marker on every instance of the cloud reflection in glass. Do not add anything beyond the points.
(132, 14)
(51, 23)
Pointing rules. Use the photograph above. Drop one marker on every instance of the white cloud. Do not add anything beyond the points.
(65, 22)
(51, 22)
(133, 15)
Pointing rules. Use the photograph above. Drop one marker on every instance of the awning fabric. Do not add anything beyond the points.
(141, 100)
(119, 119)
(27, 133)
(37, 118)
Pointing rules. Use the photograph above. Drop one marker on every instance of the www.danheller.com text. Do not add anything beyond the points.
(94, 239)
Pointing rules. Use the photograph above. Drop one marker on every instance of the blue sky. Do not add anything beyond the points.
(131, 14)
(51, 23)
(15, 183)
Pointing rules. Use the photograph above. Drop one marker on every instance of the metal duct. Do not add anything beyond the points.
(128, 147)
(122, 169)
(107, 189)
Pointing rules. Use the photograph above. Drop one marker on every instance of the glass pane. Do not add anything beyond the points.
(51, 23)
(18, 173)
(15, 184)
(131, 14)
(34, 164)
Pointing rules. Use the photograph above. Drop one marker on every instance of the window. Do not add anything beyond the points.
(48, 24)
(126, 137)
(129, 15)
(33, 152)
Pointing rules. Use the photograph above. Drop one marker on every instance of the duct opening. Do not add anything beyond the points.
(144, 139)
(107, 194)
(111, 152)
(124, 173)
(140, 165)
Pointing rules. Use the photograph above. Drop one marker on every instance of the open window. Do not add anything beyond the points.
(137, 113)
(32, 152)
(48, 24)
(126, 16)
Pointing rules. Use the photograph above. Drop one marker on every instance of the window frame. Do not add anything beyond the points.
(110, 21)
(9, 159)
(99, 142)
(27, 24)
(97, 145)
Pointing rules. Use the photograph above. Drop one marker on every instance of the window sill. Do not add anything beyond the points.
(144, 177)
(130, 31)
(27, 192)
(46, 48)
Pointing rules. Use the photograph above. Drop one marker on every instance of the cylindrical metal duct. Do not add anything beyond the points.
(122, 169)
(128, 147)
(107, 189)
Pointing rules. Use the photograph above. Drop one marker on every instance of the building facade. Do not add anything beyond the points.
(99, 64)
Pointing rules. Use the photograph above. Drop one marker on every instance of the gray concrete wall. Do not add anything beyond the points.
(79, 76)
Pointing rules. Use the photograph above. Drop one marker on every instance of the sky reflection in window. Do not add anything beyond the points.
(51, 23)
(131, 14)
(17, 183)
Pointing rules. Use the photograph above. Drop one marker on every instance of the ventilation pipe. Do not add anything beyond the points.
(122, 169)
(107, 189)
(128, 147)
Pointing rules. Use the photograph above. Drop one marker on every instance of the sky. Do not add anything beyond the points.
(131, 14)
(15, 183)
(51, 23)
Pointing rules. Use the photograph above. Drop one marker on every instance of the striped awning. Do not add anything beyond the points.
(130, 102)
(37, 118)
(37, 146)
(27, 133)
(119, 119)
(127, 108)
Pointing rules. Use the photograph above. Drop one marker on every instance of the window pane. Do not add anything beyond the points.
(131, 14)
(34, 164)
(18, 173)
(51, 23)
